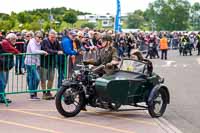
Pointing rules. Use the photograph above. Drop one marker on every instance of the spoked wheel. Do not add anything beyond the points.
(114, 106)
(69, 101)
(158, 105)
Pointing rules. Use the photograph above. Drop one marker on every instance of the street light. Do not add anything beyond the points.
(41, 21)
(152, 25)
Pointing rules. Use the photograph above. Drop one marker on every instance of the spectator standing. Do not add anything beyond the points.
(6, 62)
(68, 48)
(32, 64)
(163, 47)
(20, 46)
(48, 63)
(198, 43)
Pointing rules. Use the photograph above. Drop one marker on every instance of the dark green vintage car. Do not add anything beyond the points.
(131, 85)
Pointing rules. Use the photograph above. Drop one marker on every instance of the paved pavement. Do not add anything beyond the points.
(182, 76)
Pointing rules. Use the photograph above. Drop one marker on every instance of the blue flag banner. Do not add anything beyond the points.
(117, 27)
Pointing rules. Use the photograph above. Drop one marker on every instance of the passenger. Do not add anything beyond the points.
(137, 55)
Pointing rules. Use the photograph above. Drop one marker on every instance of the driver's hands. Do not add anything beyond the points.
(109, 65)
(114, 62)
(87, 62)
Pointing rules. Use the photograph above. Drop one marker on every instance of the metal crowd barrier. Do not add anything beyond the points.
(53, 67)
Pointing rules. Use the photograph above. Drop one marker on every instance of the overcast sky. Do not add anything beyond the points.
(92, 6)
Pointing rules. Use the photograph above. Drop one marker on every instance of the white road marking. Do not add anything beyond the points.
(185, 65)
(168, 63)
(167, 126)
(198, 60)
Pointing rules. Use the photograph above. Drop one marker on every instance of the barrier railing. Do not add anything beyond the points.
(43, 73)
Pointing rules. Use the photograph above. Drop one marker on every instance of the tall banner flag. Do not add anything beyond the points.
(117, 27)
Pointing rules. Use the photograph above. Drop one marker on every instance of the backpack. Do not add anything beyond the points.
(6, 61)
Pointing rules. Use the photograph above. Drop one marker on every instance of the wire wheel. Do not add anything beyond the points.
(69, 101)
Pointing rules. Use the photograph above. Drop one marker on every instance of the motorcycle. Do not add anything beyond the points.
(130, 85)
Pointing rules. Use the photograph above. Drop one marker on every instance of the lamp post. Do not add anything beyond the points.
(152, 25)
(40, 21)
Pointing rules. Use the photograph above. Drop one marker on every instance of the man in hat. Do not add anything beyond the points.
(107, 56)
(69, 50)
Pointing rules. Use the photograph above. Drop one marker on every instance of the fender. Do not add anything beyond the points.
(69, 83)
(155, 90)
(72, 83)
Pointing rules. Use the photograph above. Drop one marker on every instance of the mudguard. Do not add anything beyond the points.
(69, 83)
(155, 90)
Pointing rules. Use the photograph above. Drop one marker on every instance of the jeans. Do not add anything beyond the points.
(19, 63)
(3, 81)
(32, 78)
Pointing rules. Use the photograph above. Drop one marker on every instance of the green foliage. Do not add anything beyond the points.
(4, 16)
(135, 20)
(195, 16)
(6, 25)
(169, 14)
(70, 17)
(89, 25)
(25, 18)
(30, 20)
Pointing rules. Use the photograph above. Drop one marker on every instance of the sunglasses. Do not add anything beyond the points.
(39, 37)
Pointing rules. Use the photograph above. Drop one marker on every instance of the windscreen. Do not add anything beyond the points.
(133, 66)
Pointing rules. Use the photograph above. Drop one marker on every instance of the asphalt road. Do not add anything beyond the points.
(182, 76)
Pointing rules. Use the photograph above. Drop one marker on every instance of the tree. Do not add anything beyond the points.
(135, 20)
(169, 14)
(70, 17)
(195, 16)
(6, 25)
(4, 16)
(24, 17)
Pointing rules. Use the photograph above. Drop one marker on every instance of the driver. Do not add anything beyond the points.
(106, 57)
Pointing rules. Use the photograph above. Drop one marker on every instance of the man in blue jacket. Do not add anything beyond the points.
(67, 46)
(67, 43)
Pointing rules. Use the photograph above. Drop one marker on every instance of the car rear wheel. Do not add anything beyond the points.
(158, 103)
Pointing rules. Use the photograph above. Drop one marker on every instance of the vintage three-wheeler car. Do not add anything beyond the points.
(132, 84)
